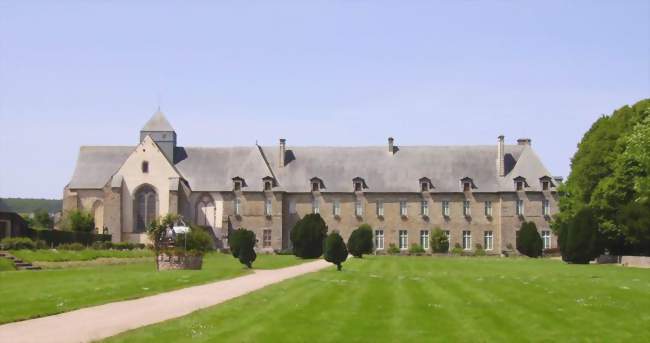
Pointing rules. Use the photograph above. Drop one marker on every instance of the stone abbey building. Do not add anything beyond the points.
(476, 194)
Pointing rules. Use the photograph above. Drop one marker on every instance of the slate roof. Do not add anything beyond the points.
(157, 123)
(212, 169)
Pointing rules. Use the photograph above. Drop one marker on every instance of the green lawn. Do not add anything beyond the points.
(82, 255)
(29, 294)
(417, 299)
(5, 265)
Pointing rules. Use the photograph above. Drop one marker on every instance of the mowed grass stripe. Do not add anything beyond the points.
(389, 299)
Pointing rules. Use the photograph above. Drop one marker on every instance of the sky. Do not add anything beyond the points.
(230, 73)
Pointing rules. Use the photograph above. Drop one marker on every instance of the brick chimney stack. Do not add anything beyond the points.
(391, 146)
(501, 168)
(283, 150)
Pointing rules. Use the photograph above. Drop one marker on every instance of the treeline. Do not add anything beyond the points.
(605, 202)
(25, 205)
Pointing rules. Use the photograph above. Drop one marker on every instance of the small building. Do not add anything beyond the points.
(12, 225)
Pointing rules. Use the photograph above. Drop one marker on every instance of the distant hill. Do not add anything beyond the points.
(21, 205)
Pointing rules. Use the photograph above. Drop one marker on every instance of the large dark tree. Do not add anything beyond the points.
(580, 239)
(529, 242)
(360, 241)
(610, 171)
(308, 235)
(335, 250)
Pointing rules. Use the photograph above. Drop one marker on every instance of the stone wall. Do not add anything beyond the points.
(168, 262)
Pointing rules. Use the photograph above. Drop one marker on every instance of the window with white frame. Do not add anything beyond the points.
(358, 208)
(402, 208)
(466, 208)
(546, 239)
(546, 207)
(424, 208)
(403, 239)
(315, 206)
(268, 208)
(488, 239)
(266, 238)
(488, 208)
(424, 239)
(237, 206)
(467, 240)
(445, 208)
(292, 206)
(336, 208)
(379, 239)
(380, 208)
(520, 207)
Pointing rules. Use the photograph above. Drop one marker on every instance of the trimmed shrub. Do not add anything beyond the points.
(529, 242)
(308, 236)
(242, 246)
(392, 249)
(457, 250)
(416, 249)
(79, 221)
(127, 246)
(479, 251)
(18, 243)
(101, 245)
(71, 246)
(335, 250)
(196, 240)
(360, 241)
(439, 241)
(579, 239)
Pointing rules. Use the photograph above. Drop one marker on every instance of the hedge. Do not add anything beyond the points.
(56, 237)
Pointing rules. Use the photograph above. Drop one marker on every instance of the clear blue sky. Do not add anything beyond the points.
(316, 72)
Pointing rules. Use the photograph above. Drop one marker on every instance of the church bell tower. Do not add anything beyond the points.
(159, 129)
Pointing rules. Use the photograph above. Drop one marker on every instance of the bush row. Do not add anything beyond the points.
(54, 238)
(19, 243)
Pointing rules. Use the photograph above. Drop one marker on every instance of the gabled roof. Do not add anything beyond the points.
(97, 164)
(158, 122)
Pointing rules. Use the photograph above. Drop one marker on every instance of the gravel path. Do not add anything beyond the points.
(94, 323)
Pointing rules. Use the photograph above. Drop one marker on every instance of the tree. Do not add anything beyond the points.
(307, 236)
(335, 250)
(439, 241)
(79, 220)
(42, 220)
(579, 238)
(529, 242)
(242, 246)
(360, 241)
(634, 219)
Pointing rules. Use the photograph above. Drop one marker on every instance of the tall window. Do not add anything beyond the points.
(268, 208)
(315, 186)
(466, 208)
(467, 240)
(237, 205)
(546, 238)
(145, 167)
(146, 208)
(546, 207)
(336, 208)
(487, 240)
(266, 238)
(445, 208)
(238, 184)
(292, 207)
(205, 211)
(488, 208)
(268, 185)
(379, 239)
(402, 208)
(467, 186)
(520, 185)
(520, 207)
(358, 208)
(380, 208)
(545, 185)
(403, 239)
(424, 239)
(424, 208)
(315, 206)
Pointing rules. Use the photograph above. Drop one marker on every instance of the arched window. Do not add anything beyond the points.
(205, 211)
(146, 207)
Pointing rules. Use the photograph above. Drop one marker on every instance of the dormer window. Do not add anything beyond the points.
(467, 184)
(268, 183)
(545, 185)
(520, 183)
(145, 167)
(238, 183)
(316, 184)
(359, 184)
(425, 184)
(546, 182)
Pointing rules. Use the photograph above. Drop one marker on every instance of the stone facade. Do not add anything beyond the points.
(125, 186)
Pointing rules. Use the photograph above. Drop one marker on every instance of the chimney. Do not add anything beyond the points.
(524, 141)
(501, 168)
(391, 147)
(283, 149)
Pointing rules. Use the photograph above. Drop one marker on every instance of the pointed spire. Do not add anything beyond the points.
(158, 123)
